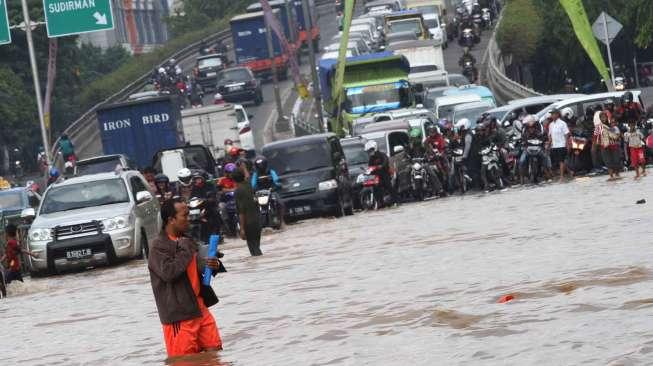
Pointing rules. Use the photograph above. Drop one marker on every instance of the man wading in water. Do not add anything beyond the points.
(181, 298)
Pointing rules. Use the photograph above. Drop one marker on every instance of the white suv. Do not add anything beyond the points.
(92, 220)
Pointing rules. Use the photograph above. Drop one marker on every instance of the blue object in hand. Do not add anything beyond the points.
(213, 252)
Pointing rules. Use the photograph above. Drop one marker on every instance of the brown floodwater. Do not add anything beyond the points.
(416, 285)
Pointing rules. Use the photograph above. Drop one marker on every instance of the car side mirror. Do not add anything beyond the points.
(143, 196)
(398, 149)
(28, 213)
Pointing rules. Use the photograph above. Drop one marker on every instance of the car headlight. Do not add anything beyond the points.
(40, 235)
(417, 166)
(115, 223)
(328, 185)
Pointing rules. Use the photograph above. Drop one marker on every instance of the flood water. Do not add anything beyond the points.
(414, 285)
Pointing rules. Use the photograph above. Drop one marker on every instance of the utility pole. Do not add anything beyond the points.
(275, 77)
(37, 84)
(317, 94)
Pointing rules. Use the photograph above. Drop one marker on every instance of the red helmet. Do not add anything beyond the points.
(234, 151)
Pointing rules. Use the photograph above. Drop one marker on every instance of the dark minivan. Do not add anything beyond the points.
(313, 174)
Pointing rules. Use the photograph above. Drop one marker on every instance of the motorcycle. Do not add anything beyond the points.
(466, 38)
(229, 214)
(490, 170)
(487, 18)
(460, 178)
(419, 179)
(18, 169)
(196, 207)
(269, 209)
(576, 161)
(478, 25)
(470, 72)
(371, 195)
(534, 149)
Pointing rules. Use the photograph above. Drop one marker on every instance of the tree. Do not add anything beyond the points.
(520, 32)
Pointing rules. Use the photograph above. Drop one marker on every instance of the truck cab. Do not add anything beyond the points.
(407, 20)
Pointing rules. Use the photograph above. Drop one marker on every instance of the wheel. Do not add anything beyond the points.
(276, 219)
(462, 182)
(340, 210)
(145, 249)
(368, 201)
(532, 174)
(349, 211)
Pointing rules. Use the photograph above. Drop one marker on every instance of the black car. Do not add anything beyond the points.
(238, 85)
(313, 175)
(207, 69)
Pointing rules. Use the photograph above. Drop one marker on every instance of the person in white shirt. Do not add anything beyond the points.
(559, 142)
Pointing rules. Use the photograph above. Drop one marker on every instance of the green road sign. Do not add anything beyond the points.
(68, 17)
(5, 34)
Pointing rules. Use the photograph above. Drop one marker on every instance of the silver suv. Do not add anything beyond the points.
(93, 220)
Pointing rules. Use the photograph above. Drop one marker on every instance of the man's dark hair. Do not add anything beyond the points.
(168, 210)
(11, 230)
(238, 176)
(149, 170)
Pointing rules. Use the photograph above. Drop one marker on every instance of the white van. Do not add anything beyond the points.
(444, 106)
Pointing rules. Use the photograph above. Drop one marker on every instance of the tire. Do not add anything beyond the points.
(368, 201)
(145, 248)
(349, 211)
(532, 164)
(340, 210)
(274, 215)
(462, 182)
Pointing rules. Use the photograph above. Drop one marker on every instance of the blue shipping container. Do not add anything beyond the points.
(248, 33)
(139, 129)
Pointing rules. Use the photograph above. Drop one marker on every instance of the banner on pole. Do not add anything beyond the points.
(583, 30)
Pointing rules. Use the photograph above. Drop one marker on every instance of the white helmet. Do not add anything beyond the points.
(463, 124)
(68, 165)
(185, 176)
(371, 145)
(529, 118)
(567, 113)
(162, 70)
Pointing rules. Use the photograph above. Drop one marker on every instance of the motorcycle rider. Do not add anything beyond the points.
(416, 144)
(262, 169)
(466, 57)
(532, 131)
(435, 146)
(202, 190)
(164, 191)
(226, 183)
(67, 148)
(381, 160)
(53, 176)
(629, 111)
(185, 186)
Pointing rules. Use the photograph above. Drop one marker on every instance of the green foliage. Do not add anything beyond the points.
(558, 51)
(520, 31)
(18, 123)
(195, 14)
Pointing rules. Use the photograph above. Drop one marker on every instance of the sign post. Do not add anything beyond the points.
(606, 28)
(5, 33)
(69, 17)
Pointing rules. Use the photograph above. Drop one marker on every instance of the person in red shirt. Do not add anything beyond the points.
(12, 255)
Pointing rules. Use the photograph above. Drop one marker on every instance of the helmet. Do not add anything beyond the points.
(463, 124)
(230, 168)
(416, 133)
(54, 172)
(199, 173)
(161, 178)
(162, 70)
(609, 102)
(261, 164)
(184, 175)
(444, 123)
(627, 97)
(68, 165)
(567, 113)
(228, 142)
(234, 151)
(371, 145)
(529, 121)
(432, 130)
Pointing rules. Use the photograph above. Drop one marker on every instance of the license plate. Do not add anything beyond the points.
(418, 177)
(458, 159)
(195, 211)
(211, 74)
(235, 88)
(78, 254)
(302, 210)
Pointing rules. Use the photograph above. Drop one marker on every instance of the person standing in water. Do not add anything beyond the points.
(181, 299)
(248, 213)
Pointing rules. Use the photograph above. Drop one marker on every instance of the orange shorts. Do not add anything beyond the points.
(192, 336)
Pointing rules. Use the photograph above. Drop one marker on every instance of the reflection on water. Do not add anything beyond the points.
(419, 284)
